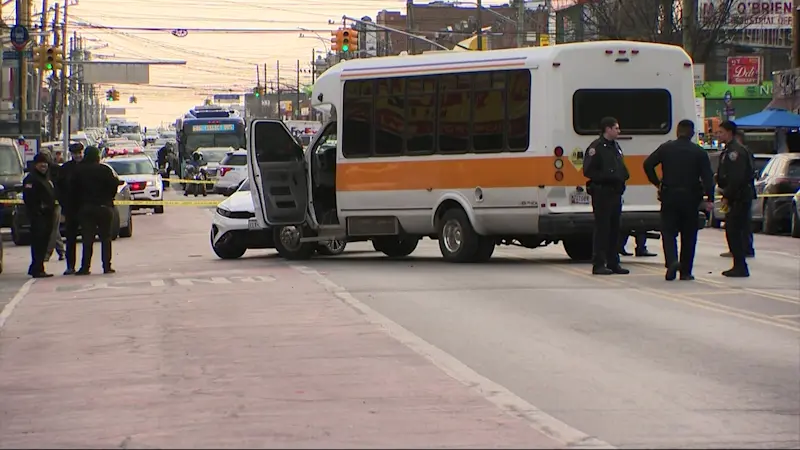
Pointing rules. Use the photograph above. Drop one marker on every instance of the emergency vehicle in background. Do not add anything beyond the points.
(473, 149)
(208, 126)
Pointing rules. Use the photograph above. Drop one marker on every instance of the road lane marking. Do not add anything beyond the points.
(10, 306)
(691, 301)
(497, 394)
(769, 295)
(787, 316)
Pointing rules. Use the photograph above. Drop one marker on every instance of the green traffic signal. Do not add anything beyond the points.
(48, 66)
(345, 48)
(257, 94)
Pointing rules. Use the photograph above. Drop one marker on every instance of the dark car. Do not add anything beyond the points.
(122, 225)
(11, 176)
(781, 178)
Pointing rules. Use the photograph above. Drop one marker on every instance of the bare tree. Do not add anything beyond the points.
(699, 30)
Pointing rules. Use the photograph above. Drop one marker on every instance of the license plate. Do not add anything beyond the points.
(252, 224)
(579, 198)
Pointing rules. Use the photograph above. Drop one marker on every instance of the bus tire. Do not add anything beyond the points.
(396, 246)
(579, 248)
(287, 243)
(458, 241)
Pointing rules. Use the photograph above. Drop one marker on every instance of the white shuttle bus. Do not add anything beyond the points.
(475, 149)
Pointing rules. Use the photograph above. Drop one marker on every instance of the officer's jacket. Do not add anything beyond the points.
(38, 194)
(66, 198)
(604, 165)
(735, 174)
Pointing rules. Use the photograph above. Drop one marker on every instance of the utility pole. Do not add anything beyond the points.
(478, 18)
(64, 91)
(520, 23)
(296, 112)
(278, 87)
(262, 108)
(410, 44)
(796, 35)
(24, 19)
(53, 80)
(81, 95)
(688, 17)
(258, 76)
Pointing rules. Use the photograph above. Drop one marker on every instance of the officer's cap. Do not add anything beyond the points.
(76, 147)
(40, 158)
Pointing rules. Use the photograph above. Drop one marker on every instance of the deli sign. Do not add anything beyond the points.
(744, 70)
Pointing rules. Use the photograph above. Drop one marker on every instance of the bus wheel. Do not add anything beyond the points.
(579, 248)
(287, 243)
(458, 241)
(396, 246)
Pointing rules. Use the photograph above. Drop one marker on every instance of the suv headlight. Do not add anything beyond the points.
(223, 212)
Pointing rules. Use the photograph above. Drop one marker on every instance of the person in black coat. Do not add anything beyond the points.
(94, 187)
(69, 207)
(40, 203)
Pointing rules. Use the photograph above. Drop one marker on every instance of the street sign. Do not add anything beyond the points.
(13, 54)
(222, 97)
(19, 37)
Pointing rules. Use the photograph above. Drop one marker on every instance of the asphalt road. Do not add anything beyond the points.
(633, 361)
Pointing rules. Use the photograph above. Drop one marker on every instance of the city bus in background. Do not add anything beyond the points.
(208, 126)
(474, 149)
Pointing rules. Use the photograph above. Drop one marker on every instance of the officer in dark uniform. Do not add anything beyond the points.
(69, 206)
(687, 178)
(735, 176)
(40, 204)
(604, 166)
(95, 186)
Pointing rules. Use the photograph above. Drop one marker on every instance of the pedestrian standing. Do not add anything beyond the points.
(95, 186)
(53, 172)
(604, 166)
(735, 176)
(40, 201)
(69, 205)
(751, 250)
(687, 179)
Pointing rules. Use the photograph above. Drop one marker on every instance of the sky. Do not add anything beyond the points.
(216, 62)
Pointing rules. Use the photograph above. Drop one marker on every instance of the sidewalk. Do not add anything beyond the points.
(255, 356)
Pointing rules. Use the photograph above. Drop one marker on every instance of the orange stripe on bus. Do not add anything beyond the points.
(468, 174)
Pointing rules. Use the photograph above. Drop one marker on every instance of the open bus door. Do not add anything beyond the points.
(278, 174)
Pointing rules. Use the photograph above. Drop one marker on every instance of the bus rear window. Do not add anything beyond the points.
(639, 111)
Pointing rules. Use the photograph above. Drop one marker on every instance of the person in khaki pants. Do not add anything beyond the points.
(56, 243)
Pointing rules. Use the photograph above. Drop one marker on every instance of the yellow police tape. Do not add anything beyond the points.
(141, 202)
(176, 180)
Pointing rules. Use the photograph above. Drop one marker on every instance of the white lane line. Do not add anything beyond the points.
(9, 308)
(500, 396)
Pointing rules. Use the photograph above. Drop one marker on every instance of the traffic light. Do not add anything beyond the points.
(133, 99)
(349, 40)
(346, 40)
(257, 91)
(38, 56)
(49, 58)
(336, 41)
(110, 95)
(115, 95)
(58, 59)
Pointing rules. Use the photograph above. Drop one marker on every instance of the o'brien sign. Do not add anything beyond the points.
(741, 14)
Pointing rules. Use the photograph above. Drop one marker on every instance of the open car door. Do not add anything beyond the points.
(278, 174)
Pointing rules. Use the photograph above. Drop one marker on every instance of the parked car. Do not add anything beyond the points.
(717, 216)
(12, 171)
(122, 225)
(230, 173)
(234, 228)
(781, 177)
(4, 189)
(796, 214)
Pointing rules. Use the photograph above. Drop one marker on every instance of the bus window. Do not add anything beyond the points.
(455, 101)
(421, 115)
(357, 118)
(639, 111)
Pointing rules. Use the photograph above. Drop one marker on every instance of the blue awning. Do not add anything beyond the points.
(770, 118)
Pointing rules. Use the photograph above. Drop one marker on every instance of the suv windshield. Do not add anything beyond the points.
(132, 167)
(9, 161)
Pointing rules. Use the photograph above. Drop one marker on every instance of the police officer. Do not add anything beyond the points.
(735, 176)
(69, 206)
(40, 204)
(94, 187)
(687, 178)
(751, 250)
(604, 166)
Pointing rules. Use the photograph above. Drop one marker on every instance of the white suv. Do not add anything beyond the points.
(234, 228)
(230, 172)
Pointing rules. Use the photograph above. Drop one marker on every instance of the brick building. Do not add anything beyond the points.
(449, 24)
